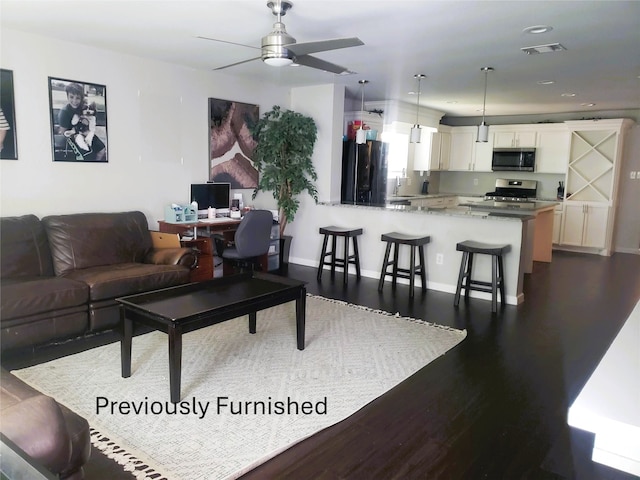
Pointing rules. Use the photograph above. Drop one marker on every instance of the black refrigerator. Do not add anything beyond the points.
(364, 173)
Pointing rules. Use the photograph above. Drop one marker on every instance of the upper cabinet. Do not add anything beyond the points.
(506, 138)
(462, 146)
(552, 152)
(432, 153)
(467, 154)
(594, 160)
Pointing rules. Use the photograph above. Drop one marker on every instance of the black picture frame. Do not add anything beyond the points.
(231, 143)
(78, 121)
(8, 135)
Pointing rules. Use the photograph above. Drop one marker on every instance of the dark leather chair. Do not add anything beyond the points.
(251, 240)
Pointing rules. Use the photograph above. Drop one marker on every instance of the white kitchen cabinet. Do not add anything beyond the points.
(482, 156)
(591, 185)
(462, 148)
(552, 152)
(445, 150)
(514, 139)
(557, 224)
(584, 225)
(432, 153)
(468, 155)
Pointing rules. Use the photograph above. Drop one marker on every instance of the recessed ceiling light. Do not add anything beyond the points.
(567, 94)
(587, 104)
(545, 82)
(452, 101)
(537, 29)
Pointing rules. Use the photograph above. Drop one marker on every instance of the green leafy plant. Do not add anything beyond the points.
(285, 142)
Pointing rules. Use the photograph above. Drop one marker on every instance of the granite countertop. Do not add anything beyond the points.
(418, 196)
(459, 211)
(528, 207)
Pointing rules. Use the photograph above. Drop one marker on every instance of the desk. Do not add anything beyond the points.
(225, 226)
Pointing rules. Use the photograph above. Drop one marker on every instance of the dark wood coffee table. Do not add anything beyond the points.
(179, 310)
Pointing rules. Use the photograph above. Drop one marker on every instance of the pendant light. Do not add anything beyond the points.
(416, 131)
(361, 135)
(483, 128)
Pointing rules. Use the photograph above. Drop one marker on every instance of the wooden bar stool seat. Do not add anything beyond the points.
(396, 239)
(468, 249)
(335, 261)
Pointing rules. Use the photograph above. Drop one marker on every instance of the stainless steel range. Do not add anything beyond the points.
(510, 191)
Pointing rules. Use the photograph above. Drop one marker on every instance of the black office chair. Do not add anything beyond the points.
(251, 241)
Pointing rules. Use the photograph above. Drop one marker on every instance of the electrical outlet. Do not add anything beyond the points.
(632, 175)
(475, 181)
(439, 258)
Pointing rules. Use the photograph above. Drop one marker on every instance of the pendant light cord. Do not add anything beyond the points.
(484, 101)
(418, 102)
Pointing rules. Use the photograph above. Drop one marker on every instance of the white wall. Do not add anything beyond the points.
(157, 116)
(325, 104)
(627, 231)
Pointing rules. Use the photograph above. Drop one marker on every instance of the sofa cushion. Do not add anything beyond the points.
(87, 240)
(21, 297)
(24, 249)
(111, 281)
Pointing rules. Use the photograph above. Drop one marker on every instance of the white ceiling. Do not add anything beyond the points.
(449, 41)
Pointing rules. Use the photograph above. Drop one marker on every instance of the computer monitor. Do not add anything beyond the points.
(215, 195)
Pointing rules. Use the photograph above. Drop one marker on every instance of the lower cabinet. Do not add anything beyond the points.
(557, 226)
(584, 225)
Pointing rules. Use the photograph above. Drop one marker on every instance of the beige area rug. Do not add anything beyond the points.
(245, 397)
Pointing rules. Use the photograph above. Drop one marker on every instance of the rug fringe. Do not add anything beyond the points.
(383, 312)
(138, 468)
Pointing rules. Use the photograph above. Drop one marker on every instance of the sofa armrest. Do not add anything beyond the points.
(172, 256)
(37, 426)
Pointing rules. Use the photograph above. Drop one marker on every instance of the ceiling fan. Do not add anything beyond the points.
(280, 49)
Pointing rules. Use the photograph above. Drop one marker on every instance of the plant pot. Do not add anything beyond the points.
(285, 247)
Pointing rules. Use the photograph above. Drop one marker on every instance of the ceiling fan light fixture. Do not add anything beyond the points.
(277, 61)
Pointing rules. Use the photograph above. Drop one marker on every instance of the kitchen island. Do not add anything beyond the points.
(446, 225)
(542, 225)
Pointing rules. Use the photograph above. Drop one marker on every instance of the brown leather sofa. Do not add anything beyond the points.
(50, 433)
(60, 275)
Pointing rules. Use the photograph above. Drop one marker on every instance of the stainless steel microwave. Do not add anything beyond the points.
(513, 159)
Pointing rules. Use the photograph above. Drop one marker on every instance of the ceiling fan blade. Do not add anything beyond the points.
(226, 41)
(237, 63)
(314, 62)
(324, 45)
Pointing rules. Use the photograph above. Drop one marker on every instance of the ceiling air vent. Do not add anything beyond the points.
(549, 48)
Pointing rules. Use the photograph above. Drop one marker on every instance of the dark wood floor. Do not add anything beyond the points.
(495, 406)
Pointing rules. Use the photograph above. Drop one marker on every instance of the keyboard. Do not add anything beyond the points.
(216, 220)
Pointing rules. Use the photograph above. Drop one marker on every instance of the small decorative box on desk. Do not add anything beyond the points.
(180, 214)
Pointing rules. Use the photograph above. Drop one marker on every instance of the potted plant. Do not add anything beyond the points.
(285, 141)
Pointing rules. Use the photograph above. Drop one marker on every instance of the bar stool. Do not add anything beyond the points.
(347, 259)
(468, 249)
(396, 239)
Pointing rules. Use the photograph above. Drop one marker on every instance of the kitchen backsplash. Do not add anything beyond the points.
(465, 182)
